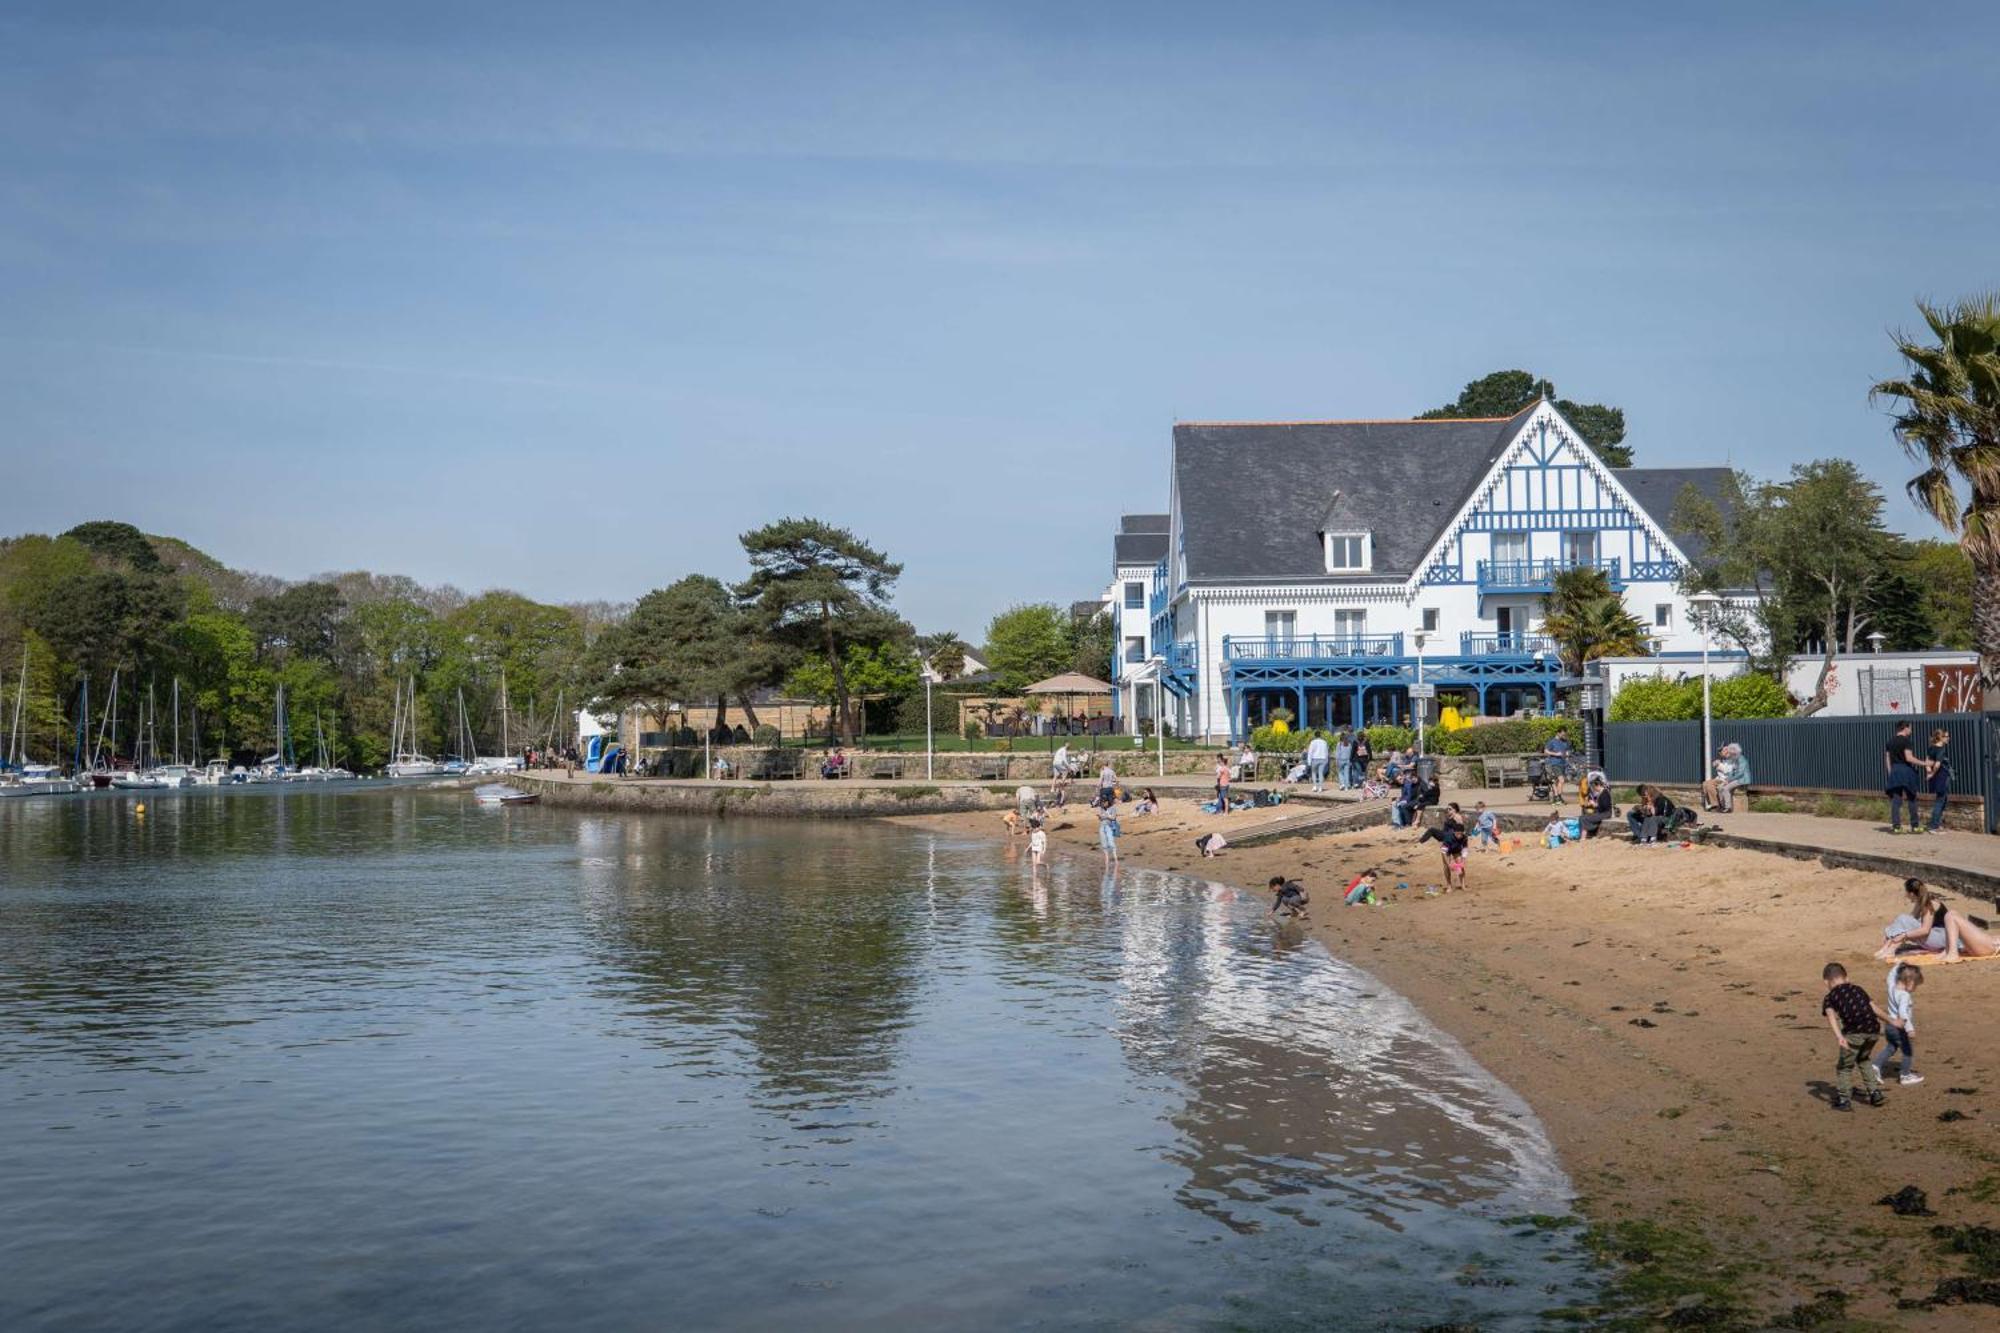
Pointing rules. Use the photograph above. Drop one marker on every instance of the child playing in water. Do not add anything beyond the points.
(1288, 897)
(1904, 978)
(1038, 844)
(1360, 889)
(1856, 1021)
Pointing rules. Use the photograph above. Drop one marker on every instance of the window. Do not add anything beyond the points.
(1663, 616)
(1135, 596)
(1346, 551)
(1579, 549)
(1280, 624)
(1135, 648)
(1350, 624)
(1510, 548)
(1430, 621)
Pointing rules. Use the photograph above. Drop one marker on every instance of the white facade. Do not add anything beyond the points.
(1471, 615)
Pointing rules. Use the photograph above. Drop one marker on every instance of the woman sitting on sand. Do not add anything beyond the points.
(1931, 927)
(1148, 803)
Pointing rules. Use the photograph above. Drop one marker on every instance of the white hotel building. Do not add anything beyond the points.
(1320, 565)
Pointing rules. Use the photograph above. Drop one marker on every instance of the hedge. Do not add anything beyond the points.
(1514, 736)
(1657, 699)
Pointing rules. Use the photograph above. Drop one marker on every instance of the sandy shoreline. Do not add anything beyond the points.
(1659, 1010)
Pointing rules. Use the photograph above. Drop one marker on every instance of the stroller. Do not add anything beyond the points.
(1540, 787)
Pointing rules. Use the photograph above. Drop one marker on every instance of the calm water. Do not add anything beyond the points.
(383, 1059)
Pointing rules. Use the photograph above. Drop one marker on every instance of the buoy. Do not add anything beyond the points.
(141, 809)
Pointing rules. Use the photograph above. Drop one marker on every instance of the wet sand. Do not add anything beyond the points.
(1659, 1009)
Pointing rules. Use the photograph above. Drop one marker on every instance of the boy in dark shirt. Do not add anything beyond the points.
(1289, 897)
(1857, 1025)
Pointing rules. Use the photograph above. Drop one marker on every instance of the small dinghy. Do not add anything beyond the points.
(498, 793)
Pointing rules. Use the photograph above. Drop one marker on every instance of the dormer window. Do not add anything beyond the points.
(1348, 552)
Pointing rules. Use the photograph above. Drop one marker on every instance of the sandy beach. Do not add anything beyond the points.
(1660, 1010)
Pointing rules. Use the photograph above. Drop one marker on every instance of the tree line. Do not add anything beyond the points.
(105, 601)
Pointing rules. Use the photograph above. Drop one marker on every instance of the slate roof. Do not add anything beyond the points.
(1658, 488)
(1141, 539)
(1255, 496)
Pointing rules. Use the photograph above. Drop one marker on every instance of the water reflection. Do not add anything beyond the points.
(382, 1057)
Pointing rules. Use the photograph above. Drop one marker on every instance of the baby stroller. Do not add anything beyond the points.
(1540, 787)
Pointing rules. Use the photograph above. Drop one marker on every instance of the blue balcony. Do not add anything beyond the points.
(1182, 656)
(1156, 600)
(1505, 645)
(1313, 648)
(1539, 575)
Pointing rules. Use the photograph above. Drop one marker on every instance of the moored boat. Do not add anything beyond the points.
(499, 793)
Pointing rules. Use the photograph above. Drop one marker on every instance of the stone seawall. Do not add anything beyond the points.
(777, 800)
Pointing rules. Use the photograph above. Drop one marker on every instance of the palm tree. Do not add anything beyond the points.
(1950, 422)
(1588, 620)
(944, 652)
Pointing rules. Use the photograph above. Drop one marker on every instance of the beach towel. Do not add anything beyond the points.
(1939, 960)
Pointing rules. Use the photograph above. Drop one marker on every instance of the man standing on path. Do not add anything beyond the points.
(1317, 752)
(1901, 782)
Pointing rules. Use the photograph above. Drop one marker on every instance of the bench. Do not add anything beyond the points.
(842, 767)
(992, 770)
(886, 768)
(775, 764)
(1504, 768)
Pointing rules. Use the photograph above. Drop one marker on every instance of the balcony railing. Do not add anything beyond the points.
(1505, 645)
(1309, 647)
(1181, 656)
(1156, 597)
(1539, 575)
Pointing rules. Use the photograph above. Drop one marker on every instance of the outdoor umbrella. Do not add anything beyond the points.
(1068, 686)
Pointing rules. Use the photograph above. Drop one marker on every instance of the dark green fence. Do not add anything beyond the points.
(1830, 753)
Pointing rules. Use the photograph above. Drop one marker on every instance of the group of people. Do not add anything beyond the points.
(1031, 812)
(1908, 772)
(1928, 930)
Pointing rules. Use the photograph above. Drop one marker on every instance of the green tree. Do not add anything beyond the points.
(1588, 620)
(1741, 537)
(118, 541)
(1948, 419)
(1505, 392)
(1941, 572)
(816, 586)
(1028, 643)
(1751, 694)
(304, 620)
(1093, 641)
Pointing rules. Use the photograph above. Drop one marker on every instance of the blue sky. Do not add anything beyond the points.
(563, 298)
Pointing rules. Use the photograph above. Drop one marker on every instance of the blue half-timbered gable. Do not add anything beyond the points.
(1328, 566)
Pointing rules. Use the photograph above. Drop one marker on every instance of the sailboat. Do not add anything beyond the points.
(404, 760)
(18, 777)
(322, 768)
(102, 758)
(144, 775)
(506, 761)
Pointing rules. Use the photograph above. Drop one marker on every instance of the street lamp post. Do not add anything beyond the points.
(1159, 666)
(1420, 704)
(1875, 641)
(1703, 605)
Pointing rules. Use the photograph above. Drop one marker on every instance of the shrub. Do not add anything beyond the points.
(973, 732)
(1747, 695)
(1265, 740)
(1526, 735)
(766, 734)
(1385, 739)
(1656, 699)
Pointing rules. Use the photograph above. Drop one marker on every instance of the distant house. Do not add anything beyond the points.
(1323, 566)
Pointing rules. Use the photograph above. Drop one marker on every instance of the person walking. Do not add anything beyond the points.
(1222, 783)
(1107, 784)
(1363, 756)
(1856, 1021)
(1343, 759)
(1317, 754)
(1900, 782)
(1107, 829)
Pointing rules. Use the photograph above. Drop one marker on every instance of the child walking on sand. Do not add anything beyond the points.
(1898, 1032)
(1288, 897)
(1485, 826)
(1857, 1025)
